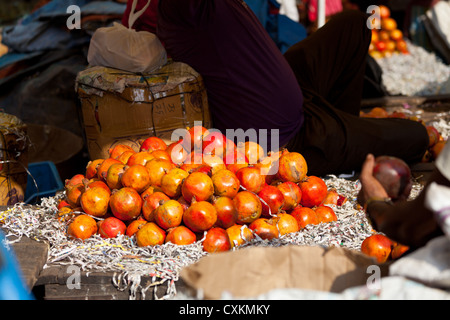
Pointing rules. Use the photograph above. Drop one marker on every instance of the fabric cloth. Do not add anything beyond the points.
(249, 83)
(329, 66)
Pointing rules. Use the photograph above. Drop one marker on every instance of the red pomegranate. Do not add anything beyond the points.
(151, 203)
(292, 194)
(125, 204)
(216, 240)
(169, 214)
(272, 200)
(265, 228)
(394, 175)
(180, 235)
(214, 143)
(225, 183)
(248, 206)
(200, 216)
(226, 212)
(325, 214)
(152, 144)
(193, 138)
(314, 191)
(197, 185)
(304, 216)
(76, 179)
(136, 177)
(292, 167)
(251, 179)
(377, 246)
(334, 198)
(111, 227)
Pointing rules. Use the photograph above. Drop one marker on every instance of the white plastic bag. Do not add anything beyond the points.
(125, 48)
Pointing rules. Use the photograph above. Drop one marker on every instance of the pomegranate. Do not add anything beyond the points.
(151, 203)
(225, 183)
(334, 198)
(226, 212)
(197, 185)
(377, 246)
(118, 149)
(134, 227)
(65, 214)
(193, 138)
(398, 250)
(203, 168)
(272, 200)
(125, 204)
(266, 229)
(251, 179)
(150, 234)
(234, 167)
(82, 227)
(269, 166)
(152, 144)
(292, 194)
(325, 214)
(149, 191)
(239, 234)
(111, 227)
(125, 156)
(91, 168)
(62, 203)
(76, 179)
(136, 177)
(139, 158)
(214, 143)
(180, 235)
(248, 206)
(171, 182)
(233, 156)
(304, 216)
(437, 148)
(314, 191)
(394, 175)
(177, 152)
(157, 168)
(287, 224)
(200, 216)
(292, 167)
(214, 161)
(169, 214)
(433, 135)
(114, 174)
(216, 240)
(161, 154)
(252, 150)
(73, 195)
(102, 169)
(95, 201)
(96, 183)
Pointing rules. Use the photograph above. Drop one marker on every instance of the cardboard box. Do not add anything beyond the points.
(121, 107)
(253, 271)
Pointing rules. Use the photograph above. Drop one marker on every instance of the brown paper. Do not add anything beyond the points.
(255, 270)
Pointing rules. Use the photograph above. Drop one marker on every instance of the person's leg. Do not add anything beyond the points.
(331, 62)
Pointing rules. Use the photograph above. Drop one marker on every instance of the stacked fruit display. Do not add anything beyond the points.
(389, 39)
(200, 187)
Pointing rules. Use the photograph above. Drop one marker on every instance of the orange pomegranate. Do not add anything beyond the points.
(134, 226)
(152, 144)
(377, 246)
(292, 167)
(73, 195)
(169, 214)
(266, 229)
(225, 183)
(292, 194)
(136, 177)
(102, 169)
(150, 234)
(325, 214)
(125, 156)
(76, 179)
(193, 138)
(248, 206)
(287, 223)
(239, 234)
(91, 168)
(177, 152)
(197, 185)
(118, 149)
(171, 182)
(95, 201)
(251, 179)
(226, 212)
(200, 216)
(151, 203)
(82, 227)
(180, 235)
(157, 168)
(139, 158)
(125, 204)
(114, 174)
(252, 150)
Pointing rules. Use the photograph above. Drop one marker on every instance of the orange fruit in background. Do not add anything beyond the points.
(388, 24)
(391, 45)
(383, 35)
(380, 45)
(402, 46)
(239, 234)
(437, 148)
(396, 35)
(385, 12)
(375, 35)
(82, 227)
(377, 246)
(150, 235)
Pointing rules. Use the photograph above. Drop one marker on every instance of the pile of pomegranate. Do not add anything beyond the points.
(202, 187)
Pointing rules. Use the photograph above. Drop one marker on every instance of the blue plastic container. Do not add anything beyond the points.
(47, 179)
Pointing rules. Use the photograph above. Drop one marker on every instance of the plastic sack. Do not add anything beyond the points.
(125, 48)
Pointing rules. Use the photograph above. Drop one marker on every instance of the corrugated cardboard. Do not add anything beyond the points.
(256, 270)
(121, 107)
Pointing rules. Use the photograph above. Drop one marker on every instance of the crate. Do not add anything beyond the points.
(46, 181)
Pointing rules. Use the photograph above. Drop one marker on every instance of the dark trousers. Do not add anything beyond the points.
(329, 66)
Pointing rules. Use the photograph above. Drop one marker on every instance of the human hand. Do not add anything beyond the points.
(371, 188)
